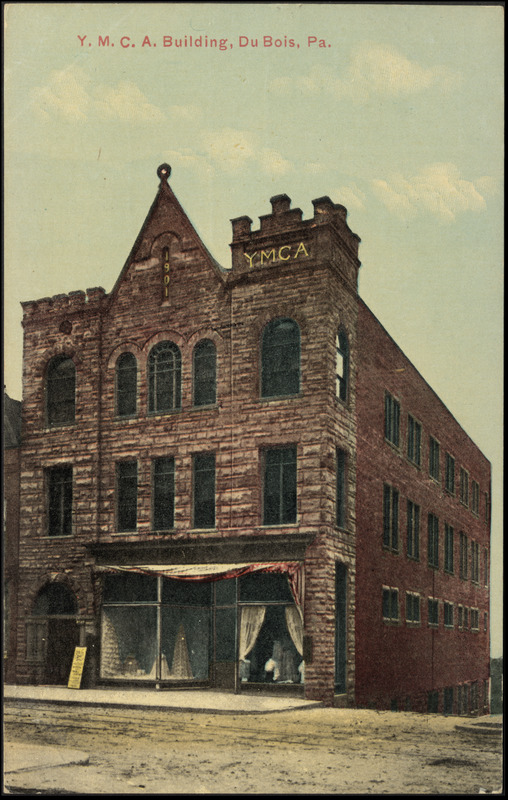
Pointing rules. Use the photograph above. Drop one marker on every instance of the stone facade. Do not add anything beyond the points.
(171, 289)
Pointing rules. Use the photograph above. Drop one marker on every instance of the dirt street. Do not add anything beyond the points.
(311, 751)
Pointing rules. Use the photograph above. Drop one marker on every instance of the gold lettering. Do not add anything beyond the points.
(270, 253)
(166, 266)
(301, 248)
(284, 258)
(166, 280)
(249, 258)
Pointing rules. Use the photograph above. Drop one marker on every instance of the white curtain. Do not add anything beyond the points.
(295, 627)
(251, 621)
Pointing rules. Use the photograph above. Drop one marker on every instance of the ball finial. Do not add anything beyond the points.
(164, 171)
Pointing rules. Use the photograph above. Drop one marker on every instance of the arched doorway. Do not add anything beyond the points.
(54, 616)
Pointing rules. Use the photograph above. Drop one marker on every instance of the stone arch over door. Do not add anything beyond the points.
(53, 632)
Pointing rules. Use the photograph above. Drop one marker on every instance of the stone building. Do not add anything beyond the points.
(234, 478)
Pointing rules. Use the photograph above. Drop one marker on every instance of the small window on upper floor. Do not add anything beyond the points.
(392, 419)
(450, 474)
(60, 391)
(205, 378)
(341, 365)
(433, 458)
(126, 385)
(414, 440)
(280, 358)
(464, 486)
(164, 377)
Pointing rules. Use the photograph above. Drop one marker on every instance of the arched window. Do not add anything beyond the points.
(280, 358)
(164, 377)
(342, 365)
(55, 598)
(126, 384)
(205, 367)
(60, 391)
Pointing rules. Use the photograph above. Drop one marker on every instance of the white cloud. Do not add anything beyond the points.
(351, 197)
(273, 163)
(437, 189)
(125, 102)
(65, 96)
(70, 94)
(230, 148)
(374, 69)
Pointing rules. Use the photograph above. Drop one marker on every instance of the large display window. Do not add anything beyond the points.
(155, 629)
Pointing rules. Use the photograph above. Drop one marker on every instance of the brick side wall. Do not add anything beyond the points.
(394, 662)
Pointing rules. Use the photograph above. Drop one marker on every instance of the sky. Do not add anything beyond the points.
(394, 111)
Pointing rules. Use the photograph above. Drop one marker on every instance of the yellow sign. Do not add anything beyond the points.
(78, 662)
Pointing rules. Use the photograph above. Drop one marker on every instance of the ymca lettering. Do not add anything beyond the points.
(285, 253)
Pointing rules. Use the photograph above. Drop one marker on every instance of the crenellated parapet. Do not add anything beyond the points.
(63, 305)
(285, 238)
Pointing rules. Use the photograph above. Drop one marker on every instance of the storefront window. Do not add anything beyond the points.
(161, 629)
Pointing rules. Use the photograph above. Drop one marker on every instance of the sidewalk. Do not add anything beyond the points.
(170, 700)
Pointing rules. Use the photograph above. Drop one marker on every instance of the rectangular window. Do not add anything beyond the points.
(448, 615)
(475, 619)
(485, 567)
(433, 611)
(59, 488)
(463, 555)
(127, 495)
(464, 486)
(413, 530)
(485, 622)
(434, 458)
(475, 562)
(279, 495)
(460, 617)
(448, 700)
(448, 548)
(163, 498)
(203, 472)
(390, 604)
(414, 440)
(433, 541)
(475, 497)
(390, 518)
(392, 419)
(466, 618)
(433, 702)
(341, 510)
(474, 696)
(487, 508)
(412, 607)
(450, 474)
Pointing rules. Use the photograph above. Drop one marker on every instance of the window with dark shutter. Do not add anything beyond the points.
(205, 366)
(342, 365)
(164, 377)
(60, 391)
(280, 358)
(279, 491)
(204, 490)
(126, 385)
(163, 493)
(59, 501)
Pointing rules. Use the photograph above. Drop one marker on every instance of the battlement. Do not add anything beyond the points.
(60, 304)
(283, 235)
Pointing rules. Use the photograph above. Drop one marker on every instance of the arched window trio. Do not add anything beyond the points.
(280, 374)
(164, 373)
